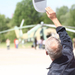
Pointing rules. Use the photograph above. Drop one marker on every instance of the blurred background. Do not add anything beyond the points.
(12, 13)
(22, 27)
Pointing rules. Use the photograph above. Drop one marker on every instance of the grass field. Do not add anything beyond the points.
(26, 45)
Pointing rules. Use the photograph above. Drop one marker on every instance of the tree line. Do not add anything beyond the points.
(25, 10)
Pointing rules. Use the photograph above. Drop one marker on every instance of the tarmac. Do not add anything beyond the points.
(23, 62)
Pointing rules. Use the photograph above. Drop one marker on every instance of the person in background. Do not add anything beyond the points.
(16, 43)
(8, 44)
(60, 51)
(40, 42)
(35, 42)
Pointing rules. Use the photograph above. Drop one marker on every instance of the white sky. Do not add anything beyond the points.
(7, 7)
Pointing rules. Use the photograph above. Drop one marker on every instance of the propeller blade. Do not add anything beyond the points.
(22, 23)
(21, 33)
(51, 25)
(16, 28)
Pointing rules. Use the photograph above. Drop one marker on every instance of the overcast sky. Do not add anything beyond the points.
(7, 7)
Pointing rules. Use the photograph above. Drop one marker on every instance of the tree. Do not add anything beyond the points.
(68, 18)
(71, 20)
(61, 11)
(2, 23)
(25, 10)
(64, 19)
(45, 19)
(3, 26)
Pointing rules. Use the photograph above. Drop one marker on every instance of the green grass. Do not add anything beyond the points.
(27, 45)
